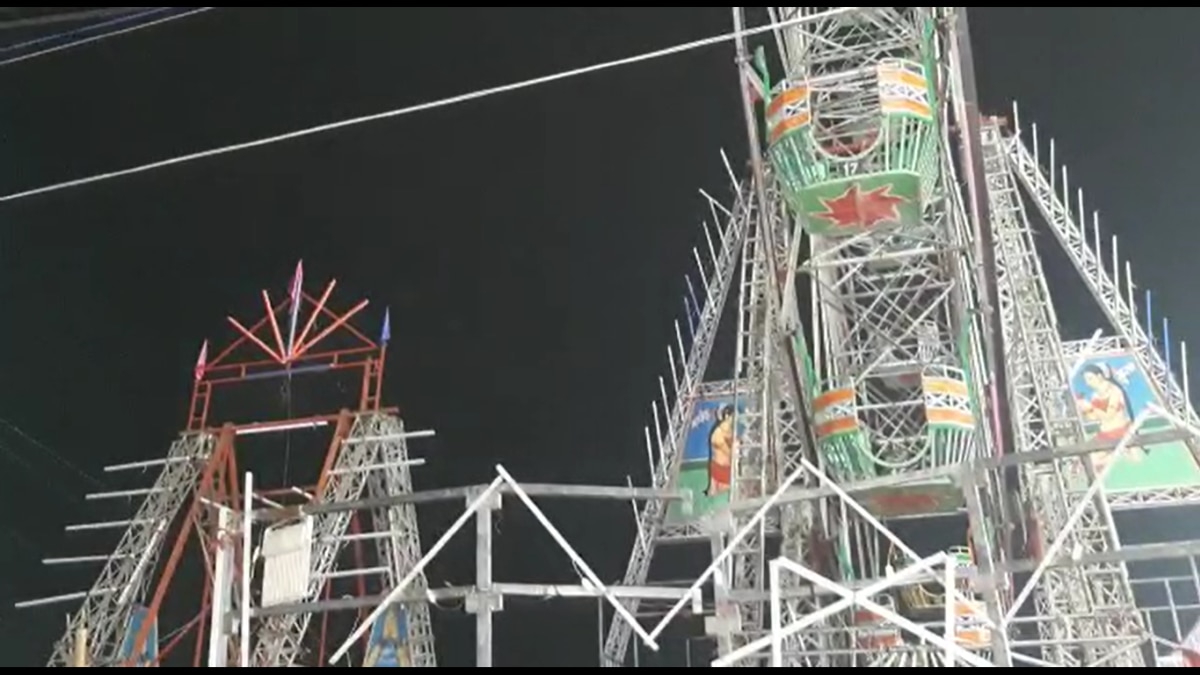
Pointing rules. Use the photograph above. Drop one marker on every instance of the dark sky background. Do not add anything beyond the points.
(531, 246)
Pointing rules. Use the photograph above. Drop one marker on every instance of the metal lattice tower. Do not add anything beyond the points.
(195, 506)
(869, 159)
(858, 138)
(123, 581)
(1110, 284)
(373, 461)
(1099, 596)
(926, 408)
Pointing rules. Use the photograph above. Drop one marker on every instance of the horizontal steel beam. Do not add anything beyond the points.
(1141, 553)
(545, 490)
(540, 591)
(952, 472)
(555, 490)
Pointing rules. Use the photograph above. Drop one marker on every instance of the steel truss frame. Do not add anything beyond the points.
(1017, 162)
(485, 597)
(1084, 599)
(1045, 423)
(850, 599)
(1046, 417)
(367, 454)
(1058, 556)
(373, 459)
(1110, 281)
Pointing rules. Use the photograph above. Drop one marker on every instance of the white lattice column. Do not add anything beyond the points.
(1108, 283)
(1045, 416)
(400, 545)
(668, 439)
(123, 581)
(279, 638)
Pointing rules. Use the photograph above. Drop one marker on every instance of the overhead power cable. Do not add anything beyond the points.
(54, 454)
(126, 17)
(97, 38)
(439, 103)
(22, 22)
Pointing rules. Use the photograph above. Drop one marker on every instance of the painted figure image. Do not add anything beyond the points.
(705, 472)
(721, 442)
(1107, 405)
(388, 644)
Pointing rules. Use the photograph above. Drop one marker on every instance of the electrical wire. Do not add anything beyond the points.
(123, 18)
(97, 38)
(57, 456)
(19, 537)
(430, 105)
(8, 453)
(287, 434)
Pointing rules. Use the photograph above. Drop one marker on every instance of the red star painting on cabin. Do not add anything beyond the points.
(854, 208)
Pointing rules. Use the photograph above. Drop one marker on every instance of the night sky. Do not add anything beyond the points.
(531, 246)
